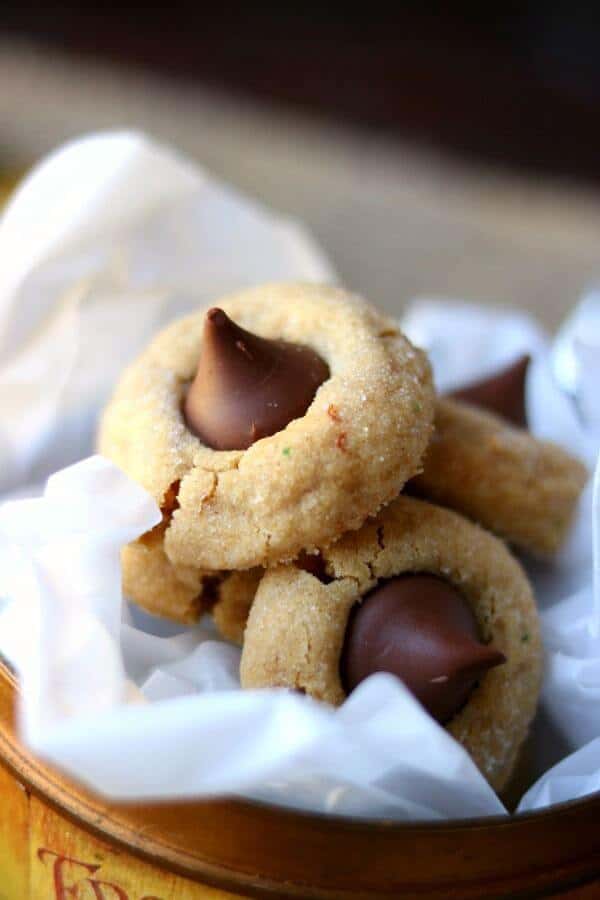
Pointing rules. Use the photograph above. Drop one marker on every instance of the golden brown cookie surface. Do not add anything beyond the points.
(185, 594)
(297, 625)
(523, 489)
(360, 440)
(151, 581)
(235, 596)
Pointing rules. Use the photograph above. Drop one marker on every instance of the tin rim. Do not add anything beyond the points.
(7, 675)
(116, 822)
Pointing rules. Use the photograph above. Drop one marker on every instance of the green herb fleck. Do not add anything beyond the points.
(417, 406)
(525, 637)
(287, 451)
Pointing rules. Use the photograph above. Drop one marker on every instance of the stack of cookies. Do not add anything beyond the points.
(327, 509)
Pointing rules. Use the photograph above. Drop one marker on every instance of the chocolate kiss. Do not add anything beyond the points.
(502, 393)
(421, 629)
(247, 387)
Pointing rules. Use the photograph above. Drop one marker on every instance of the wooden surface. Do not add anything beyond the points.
(395, 223)
(517, 83)
(8, 179)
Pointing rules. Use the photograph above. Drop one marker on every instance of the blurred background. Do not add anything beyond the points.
(435, 150)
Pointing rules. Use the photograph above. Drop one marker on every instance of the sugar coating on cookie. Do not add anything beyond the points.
(361, 439)
(523, 489)
(296, 628)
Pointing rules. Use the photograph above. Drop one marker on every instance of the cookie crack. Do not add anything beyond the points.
(232, 466)
(213, 490)
(315, 565)
(381, 545)
(267, 538)
(307, 643)
(205, 499)
(170, 503)
(371, 562)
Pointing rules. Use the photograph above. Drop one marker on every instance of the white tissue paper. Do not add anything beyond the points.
(107, 240)
(562, 405)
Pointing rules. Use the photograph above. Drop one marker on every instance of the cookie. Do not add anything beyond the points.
(501, 393)
(234, 598)
(151, 581)
(523, 489)
(236, 594)
(485, 464)
(478, 622)
(361, 437)
(184, 595)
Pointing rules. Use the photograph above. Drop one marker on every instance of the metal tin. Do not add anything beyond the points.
(57, 840)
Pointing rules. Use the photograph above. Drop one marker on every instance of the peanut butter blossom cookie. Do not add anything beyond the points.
(185, 594)
(271, 424)
(483, 463)
(419, 592)
(233, 599)
(232, 602)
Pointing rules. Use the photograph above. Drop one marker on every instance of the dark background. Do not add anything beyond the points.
(512, 84)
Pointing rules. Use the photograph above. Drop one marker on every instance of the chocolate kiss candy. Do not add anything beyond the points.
(421, 629)
(247, 387)
(502, 393)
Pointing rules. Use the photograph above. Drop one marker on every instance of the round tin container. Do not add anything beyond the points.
(59, 842)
